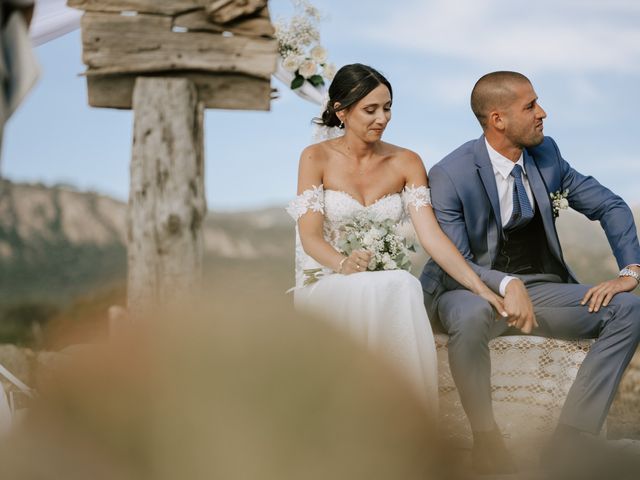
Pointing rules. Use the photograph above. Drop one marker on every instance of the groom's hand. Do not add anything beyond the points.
(519, 307)
(600, 295)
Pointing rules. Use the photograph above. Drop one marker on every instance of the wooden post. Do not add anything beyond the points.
(167, 201)
(168, 60)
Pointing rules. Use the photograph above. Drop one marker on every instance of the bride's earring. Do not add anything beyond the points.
(341, 124)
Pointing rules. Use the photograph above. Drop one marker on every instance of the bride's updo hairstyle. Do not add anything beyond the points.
(350, 85)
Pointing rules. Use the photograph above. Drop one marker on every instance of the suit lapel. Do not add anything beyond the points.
(488, 178)
(541, 194)
(485, 170)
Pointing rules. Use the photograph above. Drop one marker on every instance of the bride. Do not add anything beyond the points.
(357, 173)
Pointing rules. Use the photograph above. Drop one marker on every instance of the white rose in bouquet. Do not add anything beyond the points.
(390, 265)
(368, 240)
(318, 54)
(378, 233)
(329, 70)
(292, 63)
(308, 68)
(564, 203)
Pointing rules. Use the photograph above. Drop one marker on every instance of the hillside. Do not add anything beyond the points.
(57, 243)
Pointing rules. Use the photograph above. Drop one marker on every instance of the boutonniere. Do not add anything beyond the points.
(559, 201)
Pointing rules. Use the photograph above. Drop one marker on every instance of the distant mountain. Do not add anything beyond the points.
(58, 244)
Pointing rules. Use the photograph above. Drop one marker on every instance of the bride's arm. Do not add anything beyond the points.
(438, 245)
(314, 244)
(442, 250)
(310, 223)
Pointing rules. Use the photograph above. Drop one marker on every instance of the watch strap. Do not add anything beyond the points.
(627, 272)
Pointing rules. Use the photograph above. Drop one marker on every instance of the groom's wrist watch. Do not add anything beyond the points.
(627, 272)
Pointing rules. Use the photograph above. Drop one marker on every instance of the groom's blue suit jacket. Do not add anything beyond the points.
(465, 200)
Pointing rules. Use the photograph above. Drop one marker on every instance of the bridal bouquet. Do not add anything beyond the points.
(389, 249)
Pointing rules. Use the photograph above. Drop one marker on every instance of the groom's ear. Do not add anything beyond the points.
(496, 120)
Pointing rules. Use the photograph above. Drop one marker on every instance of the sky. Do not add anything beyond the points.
(582, 56)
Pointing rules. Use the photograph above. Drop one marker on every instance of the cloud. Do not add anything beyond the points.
(449, 89)
(579, 36)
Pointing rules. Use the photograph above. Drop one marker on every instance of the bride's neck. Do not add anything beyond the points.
(357, 148)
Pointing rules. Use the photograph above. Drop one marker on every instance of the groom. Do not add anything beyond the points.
(492, 198)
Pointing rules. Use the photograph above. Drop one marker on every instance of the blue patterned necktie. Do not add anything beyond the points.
(522, 210)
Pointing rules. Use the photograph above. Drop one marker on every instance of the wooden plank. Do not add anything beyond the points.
(165, 7)
(166, 198)
(227, 91)
(197, 20)
(223, 11)
(145, 43)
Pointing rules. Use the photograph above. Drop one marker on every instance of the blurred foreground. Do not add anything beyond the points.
(237, 386)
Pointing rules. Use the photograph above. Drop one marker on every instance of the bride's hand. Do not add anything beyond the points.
(358, 261)
(496, 301)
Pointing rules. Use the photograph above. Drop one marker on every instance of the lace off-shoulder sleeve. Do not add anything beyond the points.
(309, 200)
(416, 197)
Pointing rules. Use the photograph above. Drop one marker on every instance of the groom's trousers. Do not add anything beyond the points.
(471, 322)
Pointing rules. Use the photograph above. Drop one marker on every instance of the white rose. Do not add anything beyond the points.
(368, 239)
(308, 68)
(329, 71)
(318, 54)
(291, 63)
(564, 203)
(390, 265)
(378, 233)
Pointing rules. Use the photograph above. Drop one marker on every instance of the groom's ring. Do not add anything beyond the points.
(358, 266)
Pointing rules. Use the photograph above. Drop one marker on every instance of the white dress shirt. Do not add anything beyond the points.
(502, 167)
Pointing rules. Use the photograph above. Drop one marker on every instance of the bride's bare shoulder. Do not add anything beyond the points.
(313, 160)
(403, 155)
(409, 165)
(318, 152)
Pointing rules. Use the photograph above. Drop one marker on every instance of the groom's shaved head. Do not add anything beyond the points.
(494, 91)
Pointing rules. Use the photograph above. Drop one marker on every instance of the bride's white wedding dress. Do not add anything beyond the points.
(382, 309)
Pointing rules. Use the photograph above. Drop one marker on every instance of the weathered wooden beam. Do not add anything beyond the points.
(166, 200)
(197, 20)
(165, 7)
(223, 11)
(146, 43)
(228, 91)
